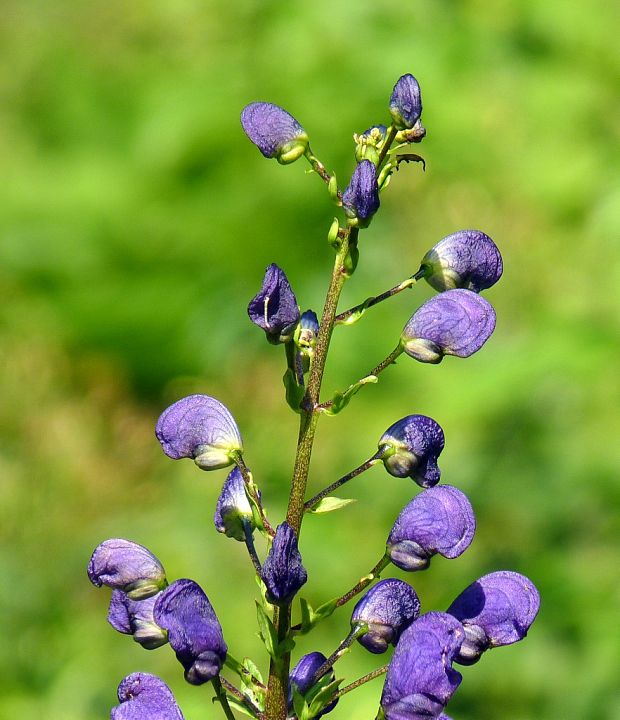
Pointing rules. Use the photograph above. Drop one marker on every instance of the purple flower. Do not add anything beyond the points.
(406, 102)
(283, 572)
(420, 679)
(135, 617)
(126, 566)
(302, 676)
(466, 259)
(438, 520)
(199, 427)
(360, 200)
(233, 508)
(145, 697)
(387, 608)
(275, 308)
(411, 447)
(194, 631)
(497, 609)
(308, 328)
(275, 132)
(456, 322)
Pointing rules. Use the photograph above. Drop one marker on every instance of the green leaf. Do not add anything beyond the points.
(323, 697)
(285, 646)
(240, 707)
(329, 504)
(250, 677)
(311, 617)
(267, 631)
(302, 710)
(342, 399)
(294, 392)
(307, 613)
(326, 609)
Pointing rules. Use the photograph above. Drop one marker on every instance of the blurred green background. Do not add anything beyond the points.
(136, 222)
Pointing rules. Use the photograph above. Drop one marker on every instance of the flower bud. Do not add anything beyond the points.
(135, 617)
(387, 609)
(274, 131)
(199, 427)
(466, 259)
(438, 520)
(283, 572)
(456, 322)
(406, 102)
(194, 631)
(420, 679)
(302, 676)
(233, 507)
(411, 447)
(275, 308)
(308, 329)
(145, 697)
(496, 610)
(360, 200)
(366, 144)
(126, 566)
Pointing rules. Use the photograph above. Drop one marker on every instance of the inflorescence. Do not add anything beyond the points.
(495, 610)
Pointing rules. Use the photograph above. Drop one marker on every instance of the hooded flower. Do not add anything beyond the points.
(420, 679)
(135, 617)
(283, 572)
(145, 697)
(438, 520)
(456, 322)
(302, 676)
(275, 308)
(387, 609)
(233, 508)
(194, 631)
(201, 428)
(497, 609)
(406, 102)
(466, 259)
(274, 131)
(126, 566)
(411, 447)
(360, 200)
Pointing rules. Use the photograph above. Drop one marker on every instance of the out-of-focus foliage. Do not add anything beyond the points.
(136, 221)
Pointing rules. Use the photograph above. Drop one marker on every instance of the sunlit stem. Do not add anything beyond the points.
(348, 317)
(252, 491)
(220, 694)
(364, 679)
(391, 134)
(389, 360)
(240, 697)
(364, 582)
(356, 631)
(317, 166)
(249, 543)
(345, 478)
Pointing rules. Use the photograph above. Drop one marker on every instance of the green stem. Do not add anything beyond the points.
(249, 543)
(389, 360)
(356, 631)
(364, 679)
(252, 491)
(318, 166)
(221, 696)
(345, 478)
(364, 582)
(344, 318)
(386, 145)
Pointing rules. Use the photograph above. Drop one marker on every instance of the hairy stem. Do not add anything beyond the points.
(339, 651)
(239, 696)
(345, 317)
(221, 696)
(345, 478)
(364, 679)
(249, 543)
(364, 582)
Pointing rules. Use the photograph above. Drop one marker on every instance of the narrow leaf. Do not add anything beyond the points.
(329, 504)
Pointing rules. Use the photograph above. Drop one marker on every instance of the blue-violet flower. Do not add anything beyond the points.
(194, 631)
(302, 676)
(274, 131)
(438, 520)
(360, 200)
(456, 322)
(466, 259)
(496, 610)
(420, 679)
(274, 308)
(283, 572)
(201, 428)
(126, 566)
(406, 102)
(145, 697)
(411, 447)
(233, 509)
(387, 609)
(135, 617)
